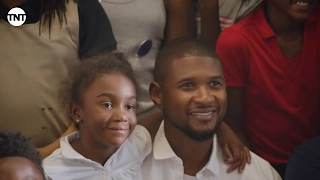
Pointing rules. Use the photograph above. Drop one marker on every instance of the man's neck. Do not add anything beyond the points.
(92, 151)
(281, 23)
(12, 3)
(194, 155)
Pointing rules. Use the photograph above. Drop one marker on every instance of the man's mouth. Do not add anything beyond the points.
(202, 113)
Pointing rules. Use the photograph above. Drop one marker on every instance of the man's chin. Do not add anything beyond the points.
(199, 135)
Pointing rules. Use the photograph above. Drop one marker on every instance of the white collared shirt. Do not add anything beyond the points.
(125, 164)
(164, 164)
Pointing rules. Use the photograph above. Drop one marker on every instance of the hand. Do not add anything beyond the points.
(237, 155)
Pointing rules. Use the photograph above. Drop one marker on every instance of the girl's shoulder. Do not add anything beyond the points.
(140, 141)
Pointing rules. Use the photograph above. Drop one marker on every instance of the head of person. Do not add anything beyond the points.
(102, 99)
(295, 9)
(19, 160)
(189, 87)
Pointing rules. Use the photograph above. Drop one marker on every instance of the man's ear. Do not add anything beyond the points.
(156, 94)
(75, 112)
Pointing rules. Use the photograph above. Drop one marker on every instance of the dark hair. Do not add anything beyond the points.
(16, 145)
(48, 10)
(92, 68)
(176, 49)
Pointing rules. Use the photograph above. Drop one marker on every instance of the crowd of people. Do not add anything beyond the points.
(134, 90)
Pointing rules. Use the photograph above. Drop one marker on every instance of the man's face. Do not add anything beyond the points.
(296, 9)
(193, 96)
(19, 168)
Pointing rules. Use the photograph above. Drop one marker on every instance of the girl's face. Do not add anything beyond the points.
(108, 111)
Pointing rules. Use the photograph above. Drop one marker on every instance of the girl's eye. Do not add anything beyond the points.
(130, 107)
(107, 105)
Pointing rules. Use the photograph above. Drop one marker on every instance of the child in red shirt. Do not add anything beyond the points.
(272, 73)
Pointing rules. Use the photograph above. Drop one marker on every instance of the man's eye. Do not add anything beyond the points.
(107, 105)
(187, 85)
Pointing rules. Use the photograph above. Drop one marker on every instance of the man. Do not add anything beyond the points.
(190, 90)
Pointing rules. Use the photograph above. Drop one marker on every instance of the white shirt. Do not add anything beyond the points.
(67, 164)
(164, 164)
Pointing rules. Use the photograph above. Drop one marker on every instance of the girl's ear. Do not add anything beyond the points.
(156, 94)
(75, 112)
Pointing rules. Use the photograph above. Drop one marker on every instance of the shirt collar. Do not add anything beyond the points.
(69, 153)
(264, 28)
(66, 148)
(161, 146)
(162, 150)
(31, 7)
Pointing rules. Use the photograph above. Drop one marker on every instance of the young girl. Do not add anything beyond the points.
(102, 103)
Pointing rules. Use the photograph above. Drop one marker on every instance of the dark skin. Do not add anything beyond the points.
(180, 20)
(287, 21)
(200, 103)
(19, 168)
(237, 154)
(194, 155)
(106, 117)
(12, 3)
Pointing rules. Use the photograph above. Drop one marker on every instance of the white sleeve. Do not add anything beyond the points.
(142, 139)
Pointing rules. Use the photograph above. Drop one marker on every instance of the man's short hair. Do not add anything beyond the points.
(16, 145)
(177, 49)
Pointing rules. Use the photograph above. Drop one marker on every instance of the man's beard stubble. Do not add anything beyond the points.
(193, 134)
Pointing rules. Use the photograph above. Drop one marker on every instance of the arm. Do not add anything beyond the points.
(234, 59)
(235, 151)
(180, 19)
(95, 32)
(47, 150)
(210, 23)
(234, 115)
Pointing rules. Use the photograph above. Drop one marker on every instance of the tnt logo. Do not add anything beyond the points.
(16, 16)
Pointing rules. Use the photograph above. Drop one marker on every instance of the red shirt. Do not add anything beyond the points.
(281, 99)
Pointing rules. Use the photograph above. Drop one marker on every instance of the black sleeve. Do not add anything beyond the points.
(304, 163)
(95, 32)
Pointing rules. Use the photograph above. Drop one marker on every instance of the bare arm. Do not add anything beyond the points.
(47, 150)
(180, 19)
(210, 23)
(234, 115)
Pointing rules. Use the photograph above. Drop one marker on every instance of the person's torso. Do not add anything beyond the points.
(32, 69)
(281, 95)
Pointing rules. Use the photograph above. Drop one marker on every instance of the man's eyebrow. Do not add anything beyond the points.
(190, 78)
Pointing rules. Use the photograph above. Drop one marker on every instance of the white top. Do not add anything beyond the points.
(67, 164)
(164, 164)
